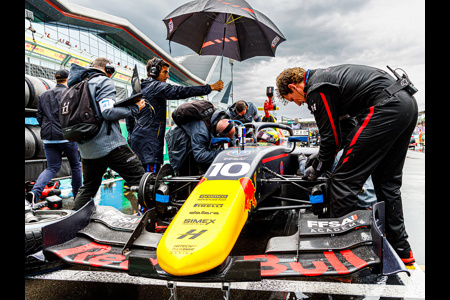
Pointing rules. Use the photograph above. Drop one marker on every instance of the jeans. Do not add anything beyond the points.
(122, 160)
(54, 154)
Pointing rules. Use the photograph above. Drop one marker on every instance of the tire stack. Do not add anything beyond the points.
(34, 87)
(34, 146)
(34, 149)
(34, 263)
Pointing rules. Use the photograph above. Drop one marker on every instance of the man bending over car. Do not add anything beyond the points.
(386, 114)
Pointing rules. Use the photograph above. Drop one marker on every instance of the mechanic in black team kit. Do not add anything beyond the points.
(386, 114)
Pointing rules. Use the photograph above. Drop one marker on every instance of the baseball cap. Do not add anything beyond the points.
(61, 74)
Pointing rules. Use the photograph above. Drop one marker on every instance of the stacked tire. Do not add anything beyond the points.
(34, 87)
(34, 149)
(34, 146)
(35, 262)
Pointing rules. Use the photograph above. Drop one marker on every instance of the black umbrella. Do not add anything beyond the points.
(230, 28)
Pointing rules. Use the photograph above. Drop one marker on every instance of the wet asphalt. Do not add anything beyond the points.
(413, 195)
(413, 199)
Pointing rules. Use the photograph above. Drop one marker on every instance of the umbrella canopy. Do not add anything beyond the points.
(230, 28)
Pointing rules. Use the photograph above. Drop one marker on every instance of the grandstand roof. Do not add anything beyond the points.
(119, 29)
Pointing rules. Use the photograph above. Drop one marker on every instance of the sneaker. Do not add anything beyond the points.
(406, 256)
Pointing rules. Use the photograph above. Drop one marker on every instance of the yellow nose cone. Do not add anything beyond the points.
(204, 231)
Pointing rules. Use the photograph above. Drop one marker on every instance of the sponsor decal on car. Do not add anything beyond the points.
(333, 226)
(322, 263)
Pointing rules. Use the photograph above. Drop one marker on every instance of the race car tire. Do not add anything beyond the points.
(33, 244)
(34, 266)
(34, 241)
(145, 191)
(47, 217)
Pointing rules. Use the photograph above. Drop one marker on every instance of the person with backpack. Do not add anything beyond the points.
(147, 130)
(54, 143)
(189, 141)
(106, 146)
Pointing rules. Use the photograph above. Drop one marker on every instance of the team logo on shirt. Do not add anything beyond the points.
(106, 103)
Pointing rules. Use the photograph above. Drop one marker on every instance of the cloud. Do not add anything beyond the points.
(326, 33)
(319, 33)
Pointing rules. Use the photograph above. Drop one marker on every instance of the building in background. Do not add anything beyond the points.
(59, 33)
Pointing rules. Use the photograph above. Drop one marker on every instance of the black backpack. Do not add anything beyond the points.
(194, 110)
(77, 114)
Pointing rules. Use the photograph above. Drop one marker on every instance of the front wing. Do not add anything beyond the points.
(346, 250)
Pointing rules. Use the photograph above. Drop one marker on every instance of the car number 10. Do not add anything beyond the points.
(226, 170)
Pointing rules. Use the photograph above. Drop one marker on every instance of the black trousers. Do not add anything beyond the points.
(377, 146)
(122, 160)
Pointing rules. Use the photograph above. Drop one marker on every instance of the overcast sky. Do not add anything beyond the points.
(319, 33)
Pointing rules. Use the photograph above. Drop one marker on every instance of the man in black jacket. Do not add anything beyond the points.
(376, 146)
(147, 130)
(55, 146)
(193, 141)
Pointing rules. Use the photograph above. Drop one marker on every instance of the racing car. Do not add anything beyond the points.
(248, 217)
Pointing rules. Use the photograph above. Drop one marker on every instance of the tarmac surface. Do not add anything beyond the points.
(413, 198)
(78, 282)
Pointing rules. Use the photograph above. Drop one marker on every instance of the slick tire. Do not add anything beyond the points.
(34, 242)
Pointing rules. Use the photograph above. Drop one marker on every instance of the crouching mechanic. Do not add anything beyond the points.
(243, 111)
(386, 115)
(193, 140)
(108, 148)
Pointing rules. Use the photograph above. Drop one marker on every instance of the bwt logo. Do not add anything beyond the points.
(170, 25)
(275, 41)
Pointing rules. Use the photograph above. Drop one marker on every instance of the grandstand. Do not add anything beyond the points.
(59, 33)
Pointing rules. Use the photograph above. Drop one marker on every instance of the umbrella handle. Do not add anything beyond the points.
(221, 63)
(223, 47)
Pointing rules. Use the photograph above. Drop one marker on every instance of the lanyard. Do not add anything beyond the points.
(306, 79)
(307, 76)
